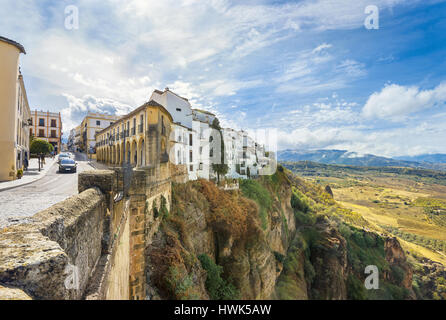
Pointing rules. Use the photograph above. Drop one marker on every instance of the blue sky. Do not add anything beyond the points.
(309, 69)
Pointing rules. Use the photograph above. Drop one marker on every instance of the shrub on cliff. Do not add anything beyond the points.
(217, 287)
(255, 191)
(299, 201)
(229, 213)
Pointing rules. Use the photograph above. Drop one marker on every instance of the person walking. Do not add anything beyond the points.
(25, 162)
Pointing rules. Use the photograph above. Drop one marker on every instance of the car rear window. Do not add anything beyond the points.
(67, 161)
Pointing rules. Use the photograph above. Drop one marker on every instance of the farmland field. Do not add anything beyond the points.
(407, 203)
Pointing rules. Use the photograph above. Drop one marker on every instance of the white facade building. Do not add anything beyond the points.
(183, 133)
(198, 144)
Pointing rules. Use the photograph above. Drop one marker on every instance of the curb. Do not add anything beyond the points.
(26, 183)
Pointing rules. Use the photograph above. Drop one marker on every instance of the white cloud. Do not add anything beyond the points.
(77, 108)
(395, 102)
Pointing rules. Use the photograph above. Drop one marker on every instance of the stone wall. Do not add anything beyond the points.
(54, 256)
(92, 245)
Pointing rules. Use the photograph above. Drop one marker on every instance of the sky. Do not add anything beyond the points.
(314, 71)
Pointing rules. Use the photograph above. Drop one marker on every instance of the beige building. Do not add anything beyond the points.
(47, 126)
(93, 123)
(14, 122)
(141, 138)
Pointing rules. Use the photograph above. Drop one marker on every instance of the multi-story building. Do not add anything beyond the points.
(77, 138)
(207, 149)
(47, 126)
(15, 119)
(182, 133)
(70, 140)
(93, 123)
(140, 138)
(233, 146)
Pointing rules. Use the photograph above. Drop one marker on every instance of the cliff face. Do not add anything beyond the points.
(277, 237)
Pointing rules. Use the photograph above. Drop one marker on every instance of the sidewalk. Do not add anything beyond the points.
(31, 175)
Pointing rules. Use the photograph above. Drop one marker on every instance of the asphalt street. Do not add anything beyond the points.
(21, 202)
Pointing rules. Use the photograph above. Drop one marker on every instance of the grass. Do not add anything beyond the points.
(407, 200)
(253, 190)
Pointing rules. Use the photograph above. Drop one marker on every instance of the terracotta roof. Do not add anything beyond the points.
(16, 44)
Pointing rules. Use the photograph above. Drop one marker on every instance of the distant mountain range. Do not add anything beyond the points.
(427, 161)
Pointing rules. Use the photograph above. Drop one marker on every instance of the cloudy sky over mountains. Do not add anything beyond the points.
(308, 68)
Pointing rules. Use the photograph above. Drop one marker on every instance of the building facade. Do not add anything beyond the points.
(47, 126)
(15, 119)
(91, 124)
(140, 138)
(182, 133)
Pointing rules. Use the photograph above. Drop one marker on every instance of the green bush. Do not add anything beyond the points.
(255, 191)
(355, 289)
(299, 201)
(279, 257)
(310, 273)
(163, 208)
(217, 287)
(398, 274)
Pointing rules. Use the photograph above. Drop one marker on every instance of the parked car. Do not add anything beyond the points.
(67, 165)
(62, 156)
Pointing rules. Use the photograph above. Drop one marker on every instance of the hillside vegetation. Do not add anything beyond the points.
(409, 204)
(279, 237)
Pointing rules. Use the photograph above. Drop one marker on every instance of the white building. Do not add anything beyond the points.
(207, 150)
(185, 150)
(198, 144)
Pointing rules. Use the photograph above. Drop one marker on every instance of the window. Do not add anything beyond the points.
(178, 109)
(53, 134)
(41, 133)
(191, 167)
(211, 138)
(98, 122)
(190, 139)
(200, 166)
(41, 122)
(53, 123)
(211, 152)
(190, 156)
(163, 128)
(201, 150)
(141, 123)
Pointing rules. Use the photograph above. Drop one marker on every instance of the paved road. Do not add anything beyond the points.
(22, 202)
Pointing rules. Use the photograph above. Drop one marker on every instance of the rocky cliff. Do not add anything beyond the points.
(277, 237)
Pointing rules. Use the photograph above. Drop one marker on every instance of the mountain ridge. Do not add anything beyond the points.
(345, 157)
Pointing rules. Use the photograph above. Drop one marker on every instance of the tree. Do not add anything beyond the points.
(220, 168)
(40, 147)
